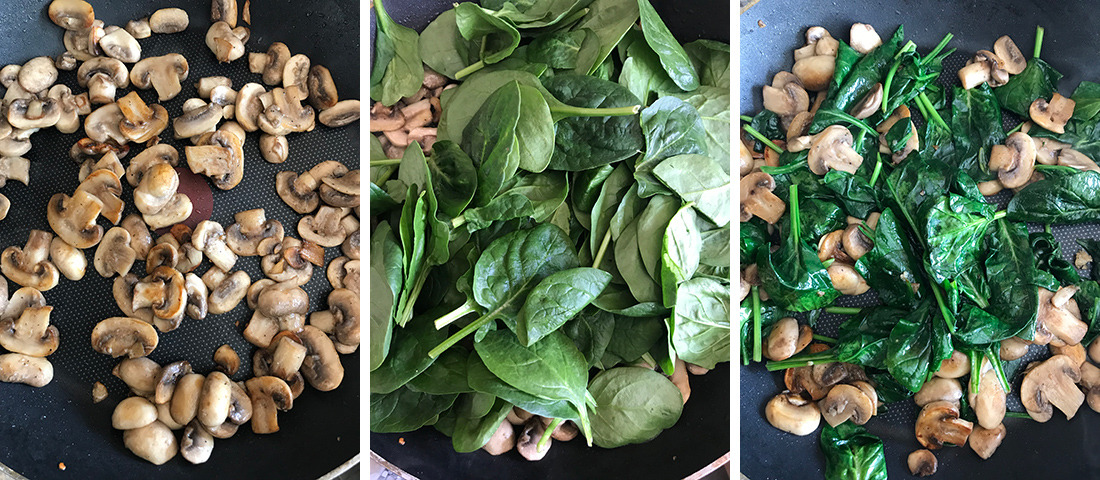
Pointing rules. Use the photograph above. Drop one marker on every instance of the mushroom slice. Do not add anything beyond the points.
(120, 45)
(322, 90)
(1014, 161)
(210, 238)
(154, 442)
(344, 273)
(939, 423)
(350, 247)
(869, 104)
(252, 226)
(1054, 114)
(863, 38)
(106, 187)
(1013, 348)
(38, 74)
(989, 401)
(998, 76)
(344, 306)
(340, 114)
(322, 367)
(527, 443)
(70, 261)
(139, 29)
(30, 266)
(793, 414)
(758, 200)
(846, 402)
(296, 74)
(324, 228)
(143, 122)
(68, 120)
(165, 292)
(220, 157)
(25, 369)
(268, 394)
(71, 14)
(186, 398)
(102, 76)
(31, 334)
(270, 64)
(286, 114)
(14, 168)
(855, 243)
(984, 441)
(102, 125)
(227, 360)
(503, 439)
(224, 11)
(221, 40)
(197, 121)
(249, 107)
(108, 162)
(160, 153)
(123, 291)
(787, 101)
(939, 389)
(847, 280)
(1068, 157)
(228, 292)
(157, 200)
(197, 444)
(1012, 58)
(169, 376)
(197, 294)
(140, 374)
(1060, 316)
(164, 254)
(1052, 382)
(922, 463)
(341, 191)
(385, 119)
(74, 218)
(163, 74)
(35, 113)
(133, 412)
(832, 149)
(168, 20)
(114, 254)
(240, 405)
(974, 74)
(815, 71)
(118, 336)
(274, 148)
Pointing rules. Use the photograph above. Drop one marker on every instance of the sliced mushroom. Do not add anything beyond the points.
(140, 28)
(788, 101)
(107, 188)
(68, 120)
(226, 294)
(123, 292)
(1059, 316)
(274, 148)
(322, 367)
(252, 226)
(102, 76)
(71, 14)
(197, 444)
(1054, 114)
(1075, 351)
(296, 74)
(143, 122)
(503, 439)
(869, 104)
(38, 74)
(221, 40)
(793, 414)
(322, 90)
(939, 389)
(286, 114)
(939, 424)
(154, 442)
(922, 463)
(139, 373)
(114, 256)
(249, 107)
(270, 64)
(69, 261)
(783, 341)
(31, 114)
(220, 156)
(815, 71)
(863, 38)
(197, 121)
(169, 377)
(25, 369)
(985, 441)
(133, 412)
(30, 266)
(856, 244)
(108, 162)
(527, 443)
(989, 401)
(240, 405)
(163, 74)
(324, 228)
(344, 273)
(268, 394)
(342, 190)
(758, 200)
(210, 238)
(227, 360)
(846, 402)
(157, 199)
(832, 149)
(197, 295)
(1014, 161)
(1052, 383)
(214, 399)
(957, 365)
(1012, 58)
(168, 20)
(974, 74)
(847, 280)
(118, 336)
(30, 334)
(120, 45)
(998, 76)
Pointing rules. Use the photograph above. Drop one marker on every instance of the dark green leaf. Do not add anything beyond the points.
(1011, 269)
(892, 265)
(558, 49)
(454, 177)
(404, 410)
(1071, 199)
(698, 179)
(442, 47)
(499, 38)
(1038, 80)
(672, 55)
(404, 72)
(633, 405)
(975, 128)
(591, 331)
(556, 299)
(408, 354)
(446, 375)
(470, 434)
(582, 143)
(701, 319)
(852, 454)
(552, 368)
(1086, 100)
(481, 379)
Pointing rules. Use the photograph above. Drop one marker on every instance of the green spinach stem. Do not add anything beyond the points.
(760, 136)
(948, 318)
(995, 359)
(577, 15)
(470, 70)
(546, 434)
(939, 47)
(807, 360)
(975, 370)
(843, 310)
(878, 168)
(1018, 415)
(458, 221)
(603, 249)
(405, 314)
(466, 309)
(387, 162)
(796, 218)
(1038, 41)
(999, 215)
(468, 329)
(910, 46)
(823, 338)
(563, 110)
(785, 169)
(1016, 129)
(384, 174)
(922, 97)
(757, 353)
(746, 118)
(828, 262)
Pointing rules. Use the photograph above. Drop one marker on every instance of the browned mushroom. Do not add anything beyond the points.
(1052, 115)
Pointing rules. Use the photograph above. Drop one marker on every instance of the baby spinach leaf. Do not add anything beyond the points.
(633, 405)
(769, 125)
(617, 299)
(794, 276)
(584, 142)
(513, 264)
(954, 230)
(898, 135)
(716, 247)
(412, 230)
(754, 238)
(471, 434)
(628, 210)
(978, 327)
(454, 177)
(404, 410)
(892, 265)
(499, 37)
(404, 72)
(918, 180)
(1087, 100)
(1088, 300)
(1038, 79)
(643, 74)
(386, 266)
(673, 57)
(712, 61)
(1070, 199)
(975, 128)
(442, 47)
(535, 195)
(633, 337)
(701, 322)
(679, 253)
(698, 179)
(556, 299)
(1012, 274)
(461, 106)
(591, 331)
(587, 186)
(534, 131)
(1048, 255)
(917, 346)
(611, 195)
(481, 379)
(557, 49)
(818, 217)
(490, 139)
(408, 354)
(380, 201)
(852, 454)
(652, 222)
(446, 375)
(864, 74)
(671, 127)
(610, 19)
(862, 339)
(629, 260)
(713, 104)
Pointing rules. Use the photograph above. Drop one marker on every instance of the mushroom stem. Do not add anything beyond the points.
(466, 309)
(1038, 41)
(759, 136)
(546, 433)
(470, 70)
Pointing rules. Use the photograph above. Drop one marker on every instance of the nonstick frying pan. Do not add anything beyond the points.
(59, 423)
(698, 439)
(1056, 449)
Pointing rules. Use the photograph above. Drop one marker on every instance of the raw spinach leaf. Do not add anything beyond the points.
(558, 49)
(611, 196)
(701, 322)
(404, 410)
(633, 405)
(652, 224)
(1038, 79)
(380, 201)
(490, 139)
(498, 37)
(471, 434)
(643, 74)
(1070, 199)
(713, 104)
(617, 299)
(679, 253)
(671, 127)
(628, 259)
(852, 454)
(591, 331)
(633, 337)
(716, 247)
(446, 375)
(454, 177)
(672, 55)
(408, 355)
(556, 299)
(535, 195)
(403, 71)
(610, 19)
(460, 106)
(584, 142)
(386, 270)
(712, 61)
(443, 48)
(587, 186)
(482, 380)
(698, 179)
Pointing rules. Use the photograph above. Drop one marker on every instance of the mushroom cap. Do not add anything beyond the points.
(153, 442)
(197, 443)
(939, 389)
(792, 413)
(139, 28)
(268, 394)
(781, 342)
(70, 261)
(815, 71)
(224, 11)
(210, 238)
(1052, 115)
(856, 244)
(111, 70)
(342, 191)
(787, 101)
(221, 40)
(955, 366)
(324, 228)
(832, 149)
(118, 336)
(214, 400)
(197, 121)
(939, 423)
(344, 304)
(1014, 161)
(106, 187)
(163, 254)
(38, 74)
(114, 254)
(240, 405)
(989, 401)
(800, 379)
(847, 280)
(1011, 56)
(29, 266)
(102, 124)
(166, 380)
(846, 402)
(863, 38)
(227, 360)
(503, 439)
(140, 374)
(71, 14)
(30, 334)
(757, 198)
(350, 247)
(252, 226)
(25, 369)
(159, 153)
(922, 463)
(322, 367)
(229, 292)
(344, 273)
(527, 443)
(286, 114)
(121, 45)
(22, 299)
(162, 73)
(998, 76)
(984, 441)
(133, 412)
(1052, 383)
(1013, 348)
(186, 397)
(168, 20)
(1060, 316)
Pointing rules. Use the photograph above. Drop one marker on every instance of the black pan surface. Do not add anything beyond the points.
(41, 428)
(1056, 449)
(699, 438)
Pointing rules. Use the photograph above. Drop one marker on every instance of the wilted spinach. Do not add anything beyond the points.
(852, 454)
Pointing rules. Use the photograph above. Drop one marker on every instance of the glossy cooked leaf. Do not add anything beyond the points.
(862, 76)
(909, 349)
(582, 143)
(852, 454)
(754, 237)
(853, 193)
(513, 264)
(1069, 199)
(1086, 100)
(817, 218)
(482, 380)
(442, 47)
(975, 128)
(408, 354)
(490, 139)
(1014, 298)
(610, 19)
(978, 327)
(862, 339)
(1038, 80)
(386, 276)
(698, 179)
(404, 410)
(446, 375)
(633, 404)
(1092, 247)
(955, 228)
(556, 299)
(918, 180)
(454, 177)
(701, 319)
(1088, 301)
(404, 74)
(1048, 256)
(552, 368)
(679, 253)
(591, 331)
(795, 278)
(673, 57)
(498, 37)
(892, 265)
(470, 434)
